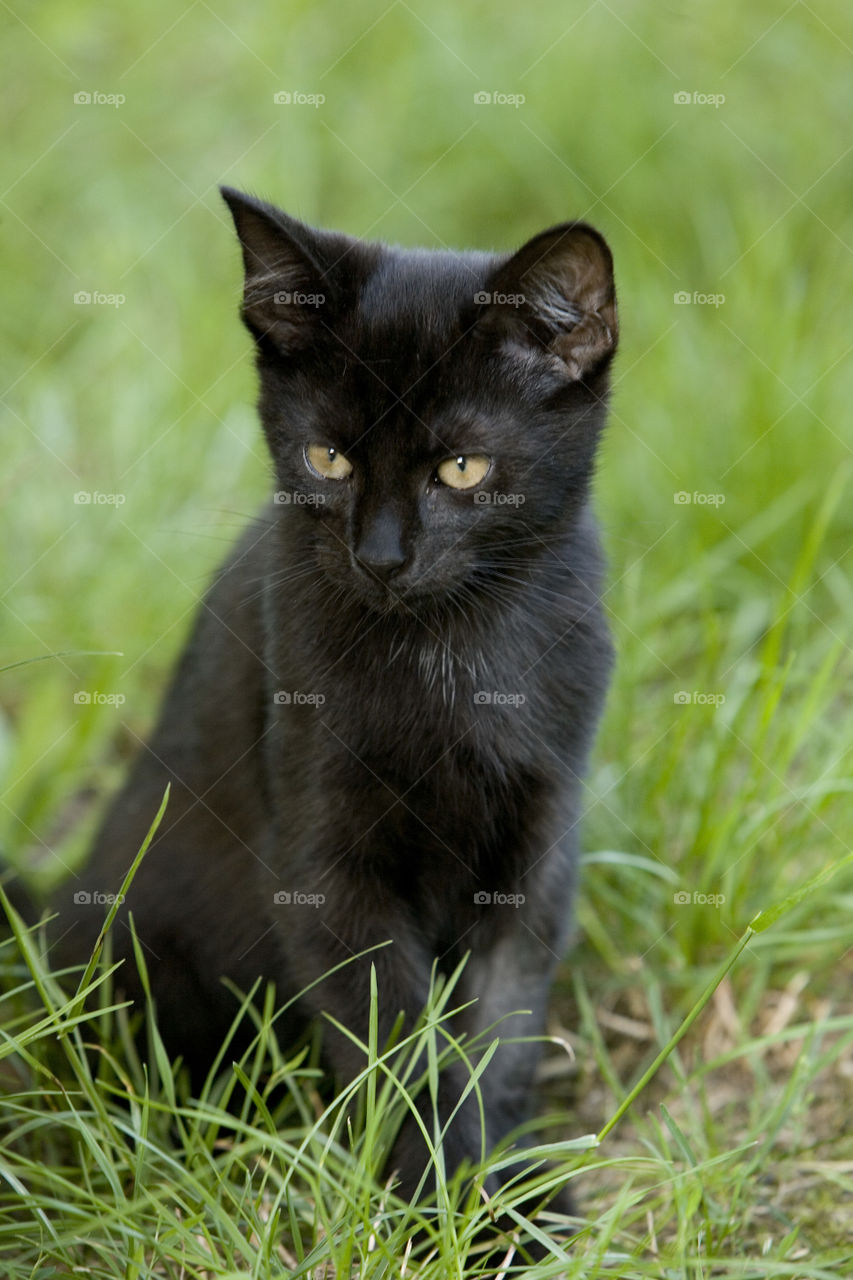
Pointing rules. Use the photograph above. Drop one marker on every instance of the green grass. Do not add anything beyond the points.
(736, 1158)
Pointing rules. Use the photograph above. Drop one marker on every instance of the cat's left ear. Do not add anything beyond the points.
(557, 292)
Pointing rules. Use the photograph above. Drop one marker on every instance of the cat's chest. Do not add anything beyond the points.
(397, 693)
(419, 699)
(435, 672)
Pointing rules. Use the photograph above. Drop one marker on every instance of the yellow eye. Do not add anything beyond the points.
(465, 471)
(327, 462)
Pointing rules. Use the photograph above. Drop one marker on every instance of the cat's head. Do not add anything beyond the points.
(432, 415)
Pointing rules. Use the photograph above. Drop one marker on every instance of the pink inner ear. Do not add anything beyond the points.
(565, 277)
(573, 277)
(585, 345)
(576, 269)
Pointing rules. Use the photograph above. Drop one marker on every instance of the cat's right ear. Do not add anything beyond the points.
(286, 289)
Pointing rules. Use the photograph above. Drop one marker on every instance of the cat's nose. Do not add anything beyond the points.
(383, 568)
(380, 549)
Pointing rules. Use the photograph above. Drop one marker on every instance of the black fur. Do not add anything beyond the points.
(323, 733)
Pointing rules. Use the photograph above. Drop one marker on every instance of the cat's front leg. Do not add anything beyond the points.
(356, 915)
(506, 984)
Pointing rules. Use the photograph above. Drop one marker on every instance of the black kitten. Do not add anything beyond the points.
(380, 724)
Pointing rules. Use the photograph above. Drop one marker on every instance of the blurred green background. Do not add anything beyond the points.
(740, 193)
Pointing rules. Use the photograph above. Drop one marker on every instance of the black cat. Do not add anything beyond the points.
(380, 724)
